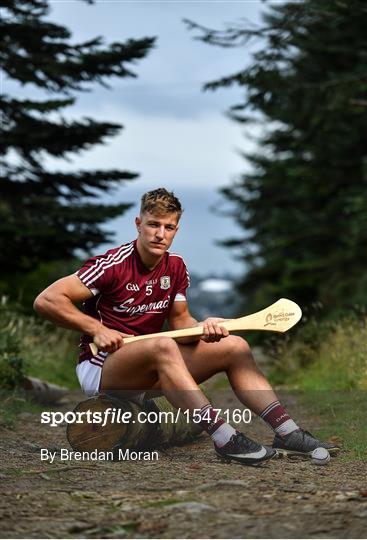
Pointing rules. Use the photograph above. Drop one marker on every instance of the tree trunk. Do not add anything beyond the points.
(123, 430)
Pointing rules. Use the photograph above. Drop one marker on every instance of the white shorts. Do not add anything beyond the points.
(89, 373)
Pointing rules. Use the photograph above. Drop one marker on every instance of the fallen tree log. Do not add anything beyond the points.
(43, 391)
(113, 432)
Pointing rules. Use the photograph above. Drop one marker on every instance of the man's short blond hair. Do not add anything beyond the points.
(161, 202)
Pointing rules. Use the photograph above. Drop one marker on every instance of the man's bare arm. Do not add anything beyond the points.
(57, 304)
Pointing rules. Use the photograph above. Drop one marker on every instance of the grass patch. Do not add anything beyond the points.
(218, 383)
(328, 364)
(13, 403)
(343, 419)
(328, 356)
(31, 346)
(50, 353)
(13, 472)
(163, 502)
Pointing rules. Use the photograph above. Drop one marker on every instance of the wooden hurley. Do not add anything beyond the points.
(279, 317)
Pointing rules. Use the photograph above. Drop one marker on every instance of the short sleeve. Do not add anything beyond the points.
(93, 273)
(183, 282)
(98, 273)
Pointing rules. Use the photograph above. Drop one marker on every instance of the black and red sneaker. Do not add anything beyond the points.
(244, 450)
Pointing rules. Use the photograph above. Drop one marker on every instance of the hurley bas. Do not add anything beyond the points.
(98, 455)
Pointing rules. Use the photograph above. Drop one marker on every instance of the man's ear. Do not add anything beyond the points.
(138, 222)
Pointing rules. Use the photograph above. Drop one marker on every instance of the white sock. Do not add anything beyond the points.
(287, 427)
(223, 434)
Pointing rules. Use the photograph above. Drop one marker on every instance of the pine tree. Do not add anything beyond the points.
(47, 215)
(303, 206)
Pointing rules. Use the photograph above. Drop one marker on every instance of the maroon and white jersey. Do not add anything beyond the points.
(129, 297)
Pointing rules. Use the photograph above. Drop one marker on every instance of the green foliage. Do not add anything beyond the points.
(11, 361)
(51, 353)
(49, 215)
(327, 356)
(343, 419)
(36, 348)
(11, 368)
(11, 364)
(24, 288)
(30, 347)
(13, 403)
(303, 206)
(327, 364)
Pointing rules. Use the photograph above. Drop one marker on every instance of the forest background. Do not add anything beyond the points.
(299, 209)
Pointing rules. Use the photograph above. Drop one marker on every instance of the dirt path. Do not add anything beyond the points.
(187, 493)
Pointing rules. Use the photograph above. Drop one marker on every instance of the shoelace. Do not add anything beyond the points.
(248, 443)
(304, 433)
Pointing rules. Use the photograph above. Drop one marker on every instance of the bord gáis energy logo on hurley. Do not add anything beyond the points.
(272, 319)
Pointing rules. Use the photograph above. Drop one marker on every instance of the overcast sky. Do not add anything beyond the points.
(175, 135)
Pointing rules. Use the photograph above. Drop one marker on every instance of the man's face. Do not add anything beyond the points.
(156, 232)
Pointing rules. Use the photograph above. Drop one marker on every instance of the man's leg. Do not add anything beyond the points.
(155, 363)
(160, 364)
(232, 355)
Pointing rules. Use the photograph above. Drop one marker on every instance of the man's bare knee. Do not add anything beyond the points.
(238, 350)
(164, 348)
(237, 345)
(167, 355)
(165, 345)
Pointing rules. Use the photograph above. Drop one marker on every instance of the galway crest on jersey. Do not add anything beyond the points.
(165, 282)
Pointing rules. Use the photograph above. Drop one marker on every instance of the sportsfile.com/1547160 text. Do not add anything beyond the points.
(116, 415)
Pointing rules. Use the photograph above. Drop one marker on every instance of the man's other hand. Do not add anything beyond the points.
(213, 331)
(109, 340)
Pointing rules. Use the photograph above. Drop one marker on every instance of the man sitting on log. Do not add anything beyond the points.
(132, 290)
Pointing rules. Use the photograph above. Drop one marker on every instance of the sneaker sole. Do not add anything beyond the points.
(289, 453)
(250, 462)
